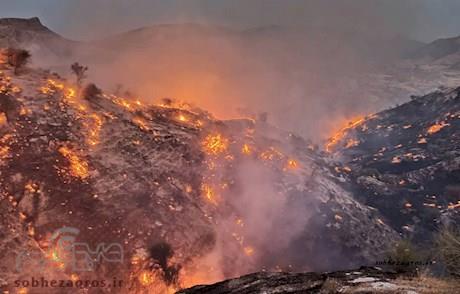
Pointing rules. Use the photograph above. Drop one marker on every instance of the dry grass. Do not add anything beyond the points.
(426, 284)
(448, 245)
(330, 286)
(419, 285)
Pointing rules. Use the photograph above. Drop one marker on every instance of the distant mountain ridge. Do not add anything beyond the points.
(32, 34)
(439, 48)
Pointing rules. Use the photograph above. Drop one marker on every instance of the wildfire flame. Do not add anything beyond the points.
(271, 154)
(246, 149)
(94, 129)
(339, 135)
(437, 127)
(248, 250)
(292, 164)
(209, 193)
(215, 144)
(78, 167)
(141, 123)
(146, 278)
(182, 118)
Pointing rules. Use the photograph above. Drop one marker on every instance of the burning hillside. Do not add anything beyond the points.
(106, 193)
(404, 162)
(177, 196)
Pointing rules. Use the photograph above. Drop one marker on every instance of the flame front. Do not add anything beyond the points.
(338, 136)
(78, 167)
(215, 144)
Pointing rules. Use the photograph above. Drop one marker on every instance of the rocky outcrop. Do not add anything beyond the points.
(364, 280)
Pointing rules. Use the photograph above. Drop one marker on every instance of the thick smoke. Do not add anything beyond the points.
(293, 75)
(302, 61)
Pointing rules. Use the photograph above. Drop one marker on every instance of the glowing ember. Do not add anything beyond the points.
(31, 187)
(209, 193)
(78, 167)
(141, 123)
(146, 278)
(271, 154)
(352, 143)
(248, 250)
(215, 144)
(182, 118)
(246, 149)
(2, 119)
(292, 164)
(396, 159)
(94, 130)
(74, 277)
(338, 136)
(347, 169)
(454, 206)
(4, 152)
(16, 89)
(22, 216)
(422, 141)
(437, 127)
(30, 230)
(56, 84)
(70, 93)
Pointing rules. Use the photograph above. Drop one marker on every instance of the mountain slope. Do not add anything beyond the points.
(438, 49)
(405, 162)
(189, 198)
(33, 35)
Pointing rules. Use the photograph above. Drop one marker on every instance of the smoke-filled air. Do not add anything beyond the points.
(229, 146)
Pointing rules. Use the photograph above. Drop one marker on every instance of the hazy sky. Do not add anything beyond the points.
(87, 19)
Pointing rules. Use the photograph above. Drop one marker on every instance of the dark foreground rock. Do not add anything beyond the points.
(365, 280)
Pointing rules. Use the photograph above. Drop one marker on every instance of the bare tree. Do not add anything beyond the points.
(17, 58)
(80, 72)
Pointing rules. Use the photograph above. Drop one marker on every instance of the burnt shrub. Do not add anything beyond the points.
(17, 58)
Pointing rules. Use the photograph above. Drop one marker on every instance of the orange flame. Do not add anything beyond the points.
(246, 149)
(78, 167)
(292, 164)
(437, 127)
(339, 135)
(209, 193)
(215, 144)
(146, 278)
